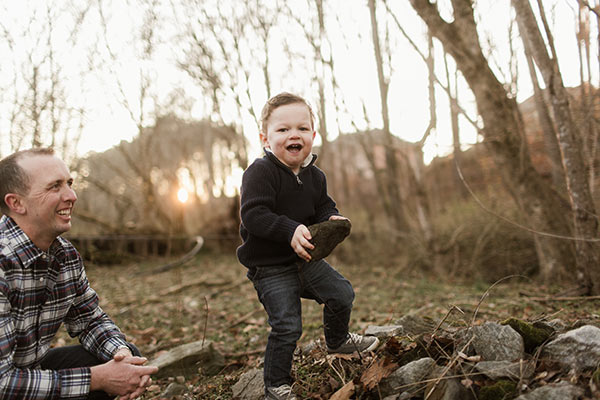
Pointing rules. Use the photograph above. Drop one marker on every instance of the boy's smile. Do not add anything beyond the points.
(289, 134)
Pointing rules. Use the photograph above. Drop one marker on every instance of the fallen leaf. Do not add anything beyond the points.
(376, 372)
(345, 392)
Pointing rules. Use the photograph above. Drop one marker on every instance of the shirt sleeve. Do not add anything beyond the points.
(258, 197)
(326, 206)
(23, 383)
(96, 331)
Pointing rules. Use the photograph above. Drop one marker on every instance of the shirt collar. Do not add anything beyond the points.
(310, 159)
(19, 243)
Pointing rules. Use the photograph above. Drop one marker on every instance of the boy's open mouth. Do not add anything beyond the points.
(294, 147)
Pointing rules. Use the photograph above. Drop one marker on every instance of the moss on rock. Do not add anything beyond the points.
(533, 334)
(596, 377)
(501, 390)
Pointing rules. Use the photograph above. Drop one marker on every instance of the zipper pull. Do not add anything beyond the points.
(298, 180)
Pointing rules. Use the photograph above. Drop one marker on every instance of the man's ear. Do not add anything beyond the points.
(14, 203)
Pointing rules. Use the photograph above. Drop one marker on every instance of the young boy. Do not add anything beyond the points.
(281, 194)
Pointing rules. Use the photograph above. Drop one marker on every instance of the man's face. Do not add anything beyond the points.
(50, 199)
(290, 134)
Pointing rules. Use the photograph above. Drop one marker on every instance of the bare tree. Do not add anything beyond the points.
(585, 221)
(221, 54)
(390, 188)
(503, 133)
(39, 95)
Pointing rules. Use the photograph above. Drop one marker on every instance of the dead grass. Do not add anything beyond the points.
(210, 298)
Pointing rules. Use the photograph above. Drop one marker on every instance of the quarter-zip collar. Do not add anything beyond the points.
(310, 160)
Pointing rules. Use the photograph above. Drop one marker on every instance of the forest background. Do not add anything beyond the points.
(460, 137)
(447, 130)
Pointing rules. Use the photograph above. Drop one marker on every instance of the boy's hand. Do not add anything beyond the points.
(338, 217)
(300, 242)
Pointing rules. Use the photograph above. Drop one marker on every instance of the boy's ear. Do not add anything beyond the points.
(14, 203)
(263, 139)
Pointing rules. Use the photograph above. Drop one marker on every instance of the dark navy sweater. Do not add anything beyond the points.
(274, 201)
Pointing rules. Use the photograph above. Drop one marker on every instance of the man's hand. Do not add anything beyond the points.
(124, 375)
(122, 353)
(300, 242)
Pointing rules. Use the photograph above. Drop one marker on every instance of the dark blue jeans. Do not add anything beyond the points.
(74, 357)
(279, 290)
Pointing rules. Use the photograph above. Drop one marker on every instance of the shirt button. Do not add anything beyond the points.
(43, 256)
(41, 279)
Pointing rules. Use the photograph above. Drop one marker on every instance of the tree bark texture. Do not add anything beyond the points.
(541, 206)
(585, 222)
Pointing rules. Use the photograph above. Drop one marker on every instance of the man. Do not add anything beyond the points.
(42, 285)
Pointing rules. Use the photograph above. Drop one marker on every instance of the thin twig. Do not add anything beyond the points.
(488, 291)
(447, 368)
(565, 298)
(510, 221)
(205, 321)
(244, 318)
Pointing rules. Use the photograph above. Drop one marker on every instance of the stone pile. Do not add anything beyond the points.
(508, 360)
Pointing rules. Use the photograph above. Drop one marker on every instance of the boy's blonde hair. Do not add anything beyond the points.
(283, 99)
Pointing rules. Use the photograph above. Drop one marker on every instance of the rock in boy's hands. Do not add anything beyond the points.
(300, 242)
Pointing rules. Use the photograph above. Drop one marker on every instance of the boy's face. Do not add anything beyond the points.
(289, 134)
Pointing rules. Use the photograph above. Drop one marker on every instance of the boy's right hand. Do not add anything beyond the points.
(300, 242)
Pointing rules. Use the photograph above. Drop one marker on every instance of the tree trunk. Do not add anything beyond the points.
(503, 133)
(391, 179)
(585, 222)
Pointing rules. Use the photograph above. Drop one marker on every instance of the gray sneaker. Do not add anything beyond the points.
(283, 392)
(356, 342)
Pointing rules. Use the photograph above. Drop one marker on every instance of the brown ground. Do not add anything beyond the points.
(211, 298)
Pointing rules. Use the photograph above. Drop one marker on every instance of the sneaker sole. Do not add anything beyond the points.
(372, 346)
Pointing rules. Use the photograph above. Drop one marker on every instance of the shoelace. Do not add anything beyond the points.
(355, 338)
(283, 390)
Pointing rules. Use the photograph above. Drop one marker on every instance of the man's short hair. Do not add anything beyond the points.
(13, 179)
(283, 99)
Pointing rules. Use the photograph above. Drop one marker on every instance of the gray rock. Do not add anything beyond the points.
(446, 388)
(250, 386)
(326, 236)
(187, 358)
(174, 389)
(384, 331)
(578, 348)
(558, 391)
(506, 369)
(557, 324)
(415, 325)
(405, 378)
(495, 342)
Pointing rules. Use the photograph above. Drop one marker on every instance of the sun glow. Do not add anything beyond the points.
(182, 195)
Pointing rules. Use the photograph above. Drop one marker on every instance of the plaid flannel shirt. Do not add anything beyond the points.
(38, 292)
